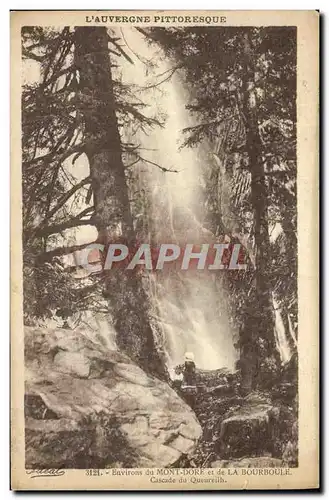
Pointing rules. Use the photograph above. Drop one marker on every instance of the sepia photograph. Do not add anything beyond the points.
(160, 252)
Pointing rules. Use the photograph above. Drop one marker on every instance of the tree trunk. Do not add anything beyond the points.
(259, 353)
(127, 298)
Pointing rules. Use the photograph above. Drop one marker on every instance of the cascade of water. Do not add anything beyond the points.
(281, 333)
(188, 308)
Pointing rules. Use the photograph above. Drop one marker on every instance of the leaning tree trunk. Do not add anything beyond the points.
(259, 354)
(96, 103)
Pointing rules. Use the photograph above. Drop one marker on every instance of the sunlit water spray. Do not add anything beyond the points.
(189, 309)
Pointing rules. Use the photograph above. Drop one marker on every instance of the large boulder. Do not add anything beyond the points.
(249, 430)
(89, 407)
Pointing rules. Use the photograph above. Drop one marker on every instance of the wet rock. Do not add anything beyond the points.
(182, 444)
(188, 431)
(165, 455)
(248, 430)
(86, 406)
(132, 373)
(73, 363)
(50, 443)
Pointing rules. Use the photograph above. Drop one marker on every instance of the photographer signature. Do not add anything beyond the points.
(45, 472)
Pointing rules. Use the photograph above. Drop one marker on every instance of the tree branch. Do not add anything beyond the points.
(67, 196)
(170, 72)
(58, 228)
(30, 55)
(56, 155)
(144, 160)
(58, 252)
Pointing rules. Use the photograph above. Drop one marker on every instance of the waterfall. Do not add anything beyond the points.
(281, 333)
(189, 310)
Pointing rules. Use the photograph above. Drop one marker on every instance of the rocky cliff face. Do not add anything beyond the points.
(89, 407)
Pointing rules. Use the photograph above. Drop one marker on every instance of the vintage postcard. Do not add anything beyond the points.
(164, 246)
